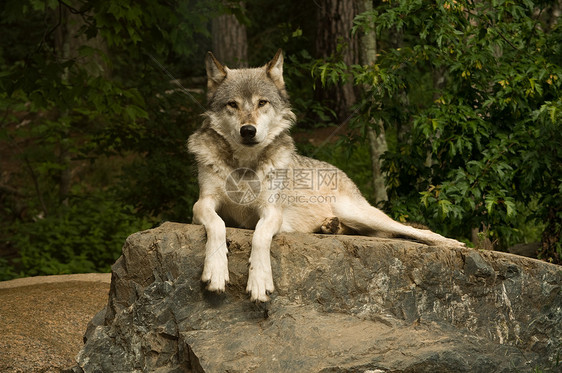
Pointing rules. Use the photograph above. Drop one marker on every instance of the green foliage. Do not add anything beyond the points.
(7, 270)
(85, 236)
(472, 95)
(80, 84)
(311, 113)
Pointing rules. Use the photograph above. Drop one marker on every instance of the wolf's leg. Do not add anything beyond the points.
(215, 270)
(357, 214)
(260, 277)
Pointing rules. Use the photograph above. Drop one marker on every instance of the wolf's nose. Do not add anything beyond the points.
(247, 132)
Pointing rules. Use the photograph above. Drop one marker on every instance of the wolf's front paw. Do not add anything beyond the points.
(260, 283)
(453, 243)
(448, 242)
(215, 272)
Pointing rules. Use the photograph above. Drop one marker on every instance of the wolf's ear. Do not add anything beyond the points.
(274, 69)
(216, 73)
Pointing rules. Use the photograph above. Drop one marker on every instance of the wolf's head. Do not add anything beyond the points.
(249, 107)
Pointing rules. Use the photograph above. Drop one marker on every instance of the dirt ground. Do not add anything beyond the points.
(43, 319)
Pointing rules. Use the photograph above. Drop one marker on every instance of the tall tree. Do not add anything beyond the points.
(335, 41)
(69, 39)
(334, 19)
(376, 133)
(230, 41)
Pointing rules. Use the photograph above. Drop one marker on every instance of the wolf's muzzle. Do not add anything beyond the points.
(247, 132)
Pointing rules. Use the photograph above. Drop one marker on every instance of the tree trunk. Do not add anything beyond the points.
(64, 48)
(230, 42)
(553, 16)
(333, 39)
(377, 138)
(68, 39)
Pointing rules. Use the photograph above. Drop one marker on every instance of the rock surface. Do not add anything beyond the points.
(42, 320)
(342, 304)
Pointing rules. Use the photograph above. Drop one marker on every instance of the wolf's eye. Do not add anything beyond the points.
(232, 104)
(262, 103)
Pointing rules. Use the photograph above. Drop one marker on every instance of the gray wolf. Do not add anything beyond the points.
(250, 176)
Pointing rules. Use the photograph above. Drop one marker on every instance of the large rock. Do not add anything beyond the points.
(342, 304)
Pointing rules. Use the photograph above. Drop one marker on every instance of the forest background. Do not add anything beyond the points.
(444, 112)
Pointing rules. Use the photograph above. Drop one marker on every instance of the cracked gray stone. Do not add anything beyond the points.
(342, 304)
